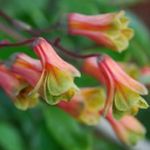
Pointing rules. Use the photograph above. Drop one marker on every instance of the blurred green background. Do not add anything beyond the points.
(49, 128)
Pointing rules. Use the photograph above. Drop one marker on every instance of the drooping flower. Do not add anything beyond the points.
(85, 105)
(129, 130)
(28, 68)
(123, 92)
(110, 30)
(57, 78)
(17, 89)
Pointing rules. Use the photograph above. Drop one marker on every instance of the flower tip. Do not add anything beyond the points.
(77, 74)
(121, 13)
(38, 41)
(123, 43)
(145, 91)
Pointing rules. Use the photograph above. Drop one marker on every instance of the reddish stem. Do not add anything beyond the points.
(56, 43)
(17, 44)
(18, 24)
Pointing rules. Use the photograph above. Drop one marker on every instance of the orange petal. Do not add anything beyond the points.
(90, 67)
(121, 77)
(84, 22)
(29, 61)
(27, 67)
(9, 81)
(48, 56)
(132, 124)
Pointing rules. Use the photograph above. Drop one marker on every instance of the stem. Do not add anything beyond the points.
(23, 26)
(109, 86)
(10, 32)
(35, 32)
(17, 44)
(56, 43)
(6, 17)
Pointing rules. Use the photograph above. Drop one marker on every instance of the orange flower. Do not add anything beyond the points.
(9, 81)
(129, 130)
(109, 29)
(85, 105)
(123, 92)
(28, 68)
(56, 81)
(17, 89)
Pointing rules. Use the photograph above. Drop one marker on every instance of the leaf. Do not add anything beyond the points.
(86, 80)
(44, 141)
(10, 139)
(140, 44)
(75, 6)
(117, 2)
(66, 131)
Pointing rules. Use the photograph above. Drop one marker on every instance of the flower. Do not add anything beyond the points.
(110, 30)
(8, 81)
(57, 78)
(17, 89)
(129, 130)
(85, 105)
(28, 68)
(123, 92)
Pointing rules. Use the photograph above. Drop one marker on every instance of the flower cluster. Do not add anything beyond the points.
(49, 78)
(28, 80)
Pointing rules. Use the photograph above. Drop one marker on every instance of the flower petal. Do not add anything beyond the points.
(48, 56)
(121, 77)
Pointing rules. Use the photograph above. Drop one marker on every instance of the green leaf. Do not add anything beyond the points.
(140, 44)
(117, 2)
(66, 130)
(10, 139)
(44, 141)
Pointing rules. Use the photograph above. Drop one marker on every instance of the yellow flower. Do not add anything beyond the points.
(86, 105)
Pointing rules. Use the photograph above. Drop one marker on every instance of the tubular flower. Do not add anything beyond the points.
(17, 89)
(129, 130)
(85, 105)
(57, 77)
(110, 30)
(28, 68)
(123, 92)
